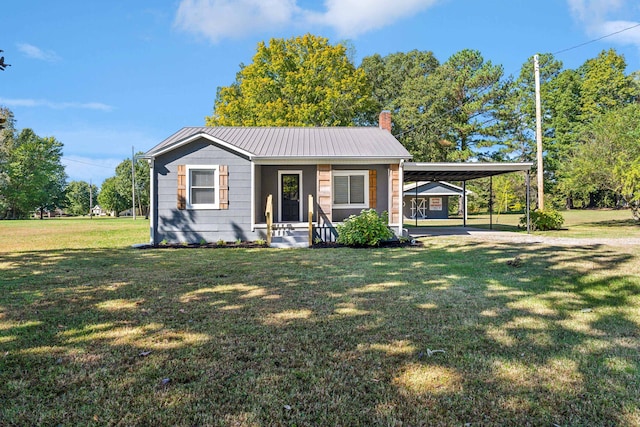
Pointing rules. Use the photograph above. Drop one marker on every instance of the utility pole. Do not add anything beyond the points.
(90, 200)
(133, 184)
(536, 69)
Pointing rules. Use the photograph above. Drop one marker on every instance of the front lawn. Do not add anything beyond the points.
(108, 335)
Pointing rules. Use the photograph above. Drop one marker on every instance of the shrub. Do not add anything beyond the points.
(544, 220)
(366, 229)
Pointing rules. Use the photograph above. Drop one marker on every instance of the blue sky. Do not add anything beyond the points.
(102, 77)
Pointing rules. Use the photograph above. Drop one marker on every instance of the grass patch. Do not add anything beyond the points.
(108, 335)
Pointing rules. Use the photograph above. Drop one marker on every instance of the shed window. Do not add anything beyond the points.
(202, 186)
(351, 189)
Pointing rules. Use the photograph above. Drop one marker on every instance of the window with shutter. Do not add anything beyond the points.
(350, 189)
(202, 186)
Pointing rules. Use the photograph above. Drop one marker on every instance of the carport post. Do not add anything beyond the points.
(416, 204)
(464, 203)
(491, 202)
(528, 198)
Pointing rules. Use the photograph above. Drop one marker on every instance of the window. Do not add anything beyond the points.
(350, 189)
(202, 187)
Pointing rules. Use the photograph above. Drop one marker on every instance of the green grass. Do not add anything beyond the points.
(314, 336)
(72, 233)
(577, 223)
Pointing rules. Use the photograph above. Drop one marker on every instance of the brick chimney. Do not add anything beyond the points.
(385, 120)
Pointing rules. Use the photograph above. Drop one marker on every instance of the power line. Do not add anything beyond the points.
(598, 39)
(86, 163)
(431, 119)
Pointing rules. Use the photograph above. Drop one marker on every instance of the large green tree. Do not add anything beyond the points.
(605, 86)
(301, 81)
(389, 74)
(450, 114)
(124, 184)
(110, 198)
(607, 156)
(79, 195)
(35, 178)
(116, 191)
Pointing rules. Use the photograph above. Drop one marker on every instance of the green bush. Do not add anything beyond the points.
(366, 229)
(544, 220)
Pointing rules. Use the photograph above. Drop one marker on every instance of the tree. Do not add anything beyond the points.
(605, 85)
(302, 81)
(607, 156)
(79, 194)
(7, 143)
(35, 178)
(124, 185)
(517, 113)
(110, 199)
(119, 187)
(389, 74)
(449, 114)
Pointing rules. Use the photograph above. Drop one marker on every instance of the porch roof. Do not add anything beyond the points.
(459, 171)
(258, 143)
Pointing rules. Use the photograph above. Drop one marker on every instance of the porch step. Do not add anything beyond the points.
(291, 239)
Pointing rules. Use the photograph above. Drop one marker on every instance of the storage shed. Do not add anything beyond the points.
(429, 199)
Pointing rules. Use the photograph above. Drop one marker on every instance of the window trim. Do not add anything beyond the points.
(360, 172)
(216, 186)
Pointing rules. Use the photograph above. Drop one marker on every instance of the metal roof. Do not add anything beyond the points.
(433, 188)
(293, 142)
(459, 171)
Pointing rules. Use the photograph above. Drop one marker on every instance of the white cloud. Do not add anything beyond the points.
(220, 19)
(36, 53)
(602, 18)
(26, 102)
(354, 17)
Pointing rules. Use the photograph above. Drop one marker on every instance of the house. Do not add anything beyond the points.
(430, 200)
(214, 183)
(98, 211)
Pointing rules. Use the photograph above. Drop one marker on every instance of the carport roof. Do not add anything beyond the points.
(459, 171)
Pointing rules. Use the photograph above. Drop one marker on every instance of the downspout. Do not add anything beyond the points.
(152, 202)
(400, 195)
(253, 196)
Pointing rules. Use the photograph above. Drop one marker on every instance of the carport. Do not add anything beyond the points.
(414, 172)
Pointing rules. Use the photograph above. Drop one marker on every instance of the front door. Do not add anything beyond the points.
(290, 196)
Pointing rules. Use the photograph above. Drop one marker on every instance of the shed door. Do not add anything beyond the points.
(290, 196)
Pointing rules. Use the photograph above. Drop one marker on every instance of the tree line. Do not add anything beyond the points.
(33, 178)
(464, 108)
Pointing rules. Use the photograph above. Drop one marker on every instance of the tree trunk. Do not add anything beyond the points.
(569, 202)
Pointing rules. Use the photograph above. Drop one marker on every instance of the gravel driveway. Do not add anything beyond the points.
(507, 236)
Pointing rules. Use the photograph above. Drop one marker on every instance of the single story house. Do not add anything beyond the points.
(213, 183)
(430, 200)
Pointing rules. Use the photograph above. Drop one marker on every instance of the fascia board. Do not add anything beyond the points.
(213, 139)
